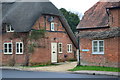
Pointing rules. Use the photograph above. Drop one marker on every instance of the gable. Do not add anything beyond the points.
(43, 23)
(23, 15)
(97, 15)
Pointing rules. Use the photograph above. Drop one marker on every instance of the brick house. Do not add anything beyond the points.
(99, 33)
(20, 19)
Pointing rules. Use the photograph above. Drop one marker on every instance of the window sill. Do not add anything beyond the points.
(8, 53)
(69, 52)
(101, 53)
(19, 53)
(10, 31)
(60, 52)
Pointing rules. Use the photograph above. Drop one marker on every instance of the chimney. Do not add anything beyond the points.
(114, 15)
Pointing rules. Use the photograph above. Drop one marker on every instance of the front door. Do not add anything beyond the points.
(53, 52)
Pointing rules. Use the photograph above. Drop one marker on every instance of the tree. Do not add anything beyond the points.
(72, 18)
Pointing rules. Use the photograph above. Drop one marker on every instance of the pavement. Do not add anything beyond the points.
(63, 67)
(98, 73)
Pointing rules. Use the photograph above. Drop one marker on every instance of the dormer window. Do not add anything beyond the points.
(9, 28)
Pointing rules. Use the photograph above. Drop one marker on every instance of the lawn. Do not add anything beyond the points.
(95, 68)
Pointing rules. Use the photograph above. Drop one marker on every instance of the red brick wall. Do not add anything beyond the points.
(109, 58)
(111, 49)
(8, 59)
(41, 55)
(57, 37)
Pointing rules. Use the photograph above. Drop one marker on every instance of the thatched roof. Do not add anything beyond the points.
(23, 15)
(96, 16)
(110, 33)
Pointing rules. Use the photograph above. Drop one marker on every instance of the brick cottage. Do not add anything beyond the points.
(22, 20)
(99, 33)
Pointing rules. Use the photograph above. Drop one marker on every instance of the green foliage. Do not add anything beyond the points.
(31, 48)
(95, 68)
(37, 34)
(72, 18)
(72, 60)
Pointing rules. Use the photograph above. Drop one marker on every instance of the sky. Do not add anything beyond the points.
(76, 6)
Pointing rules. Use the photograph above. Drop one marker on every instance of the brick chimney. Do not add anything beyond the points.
(114, 16)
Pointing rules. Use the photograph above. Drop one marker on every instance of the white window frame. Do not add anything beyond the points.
(8, 48)
(59, 48)
(52, 26)
(69, 48)
(98, 51)
(10, 26)
(19, 48)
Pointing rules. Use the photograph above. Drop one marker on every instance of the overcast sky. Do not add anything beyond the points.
(77, 6)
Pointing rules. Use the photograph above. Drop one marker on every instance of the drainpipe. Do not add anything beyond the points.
(78, 51)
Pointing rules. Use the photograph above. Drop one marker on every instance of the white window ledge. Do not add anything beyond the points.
(8, 53)
(98, 53)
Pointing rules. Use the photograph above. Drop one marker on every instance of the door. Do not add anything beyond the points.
(53, 52)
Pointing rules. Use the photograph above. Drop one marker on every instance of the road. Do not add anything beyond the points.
(35, 74)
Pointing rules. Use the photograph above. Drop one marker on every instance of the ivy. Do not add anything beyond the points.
(31, 48)
(37, 34)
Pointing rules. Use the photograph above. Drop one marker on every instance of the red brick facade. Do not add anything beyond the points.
(110, 58)
(41, 55)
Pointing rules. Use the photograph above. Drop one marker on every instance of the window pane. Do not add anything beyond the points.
(52, 26)
(95, 49)
(5, 50)
(95, 43)
(8, 27)
(100, 49)
(17, 50)
(21, 45)
(60, 50)
(68, 48)
(60, 45)
(100, 43)
(20, 50)
(10, 50)
(5, 46)
(10, 46)
(12, 29)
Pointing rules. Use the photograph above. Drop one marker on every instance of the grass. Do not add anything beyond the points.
(95, 68)
(41, 65)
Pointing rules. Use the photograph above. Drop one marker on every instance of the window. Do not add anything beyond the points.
(9, 28)
(8, 48)
(69, 48)
(97, 47)
(19, 47)
(60, 47)
(52, 26)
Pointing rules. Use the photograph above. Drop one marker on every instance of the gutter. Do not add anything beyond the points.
(88, 28)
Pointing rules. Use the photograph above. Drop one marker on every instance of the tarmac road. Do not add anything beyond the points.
(41, 74)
